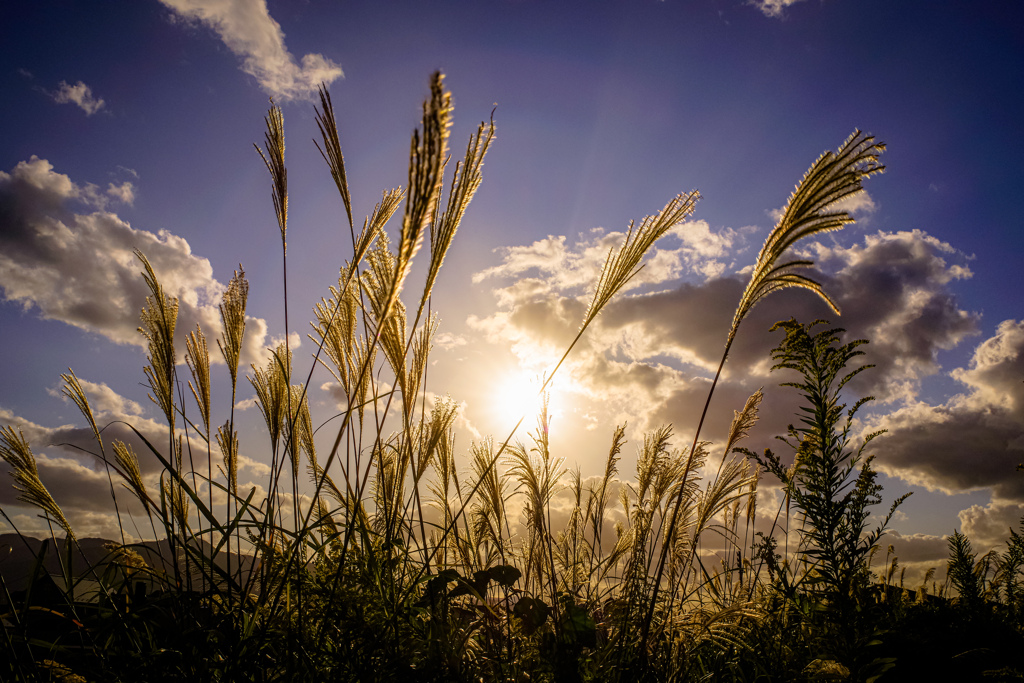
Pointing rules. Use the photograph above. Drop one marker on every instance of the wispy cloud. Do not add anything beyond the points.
(79, 94)
(79, 266)
(249, 31)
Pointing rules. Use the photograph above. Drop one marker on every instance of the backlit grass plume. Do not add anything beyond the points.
(72, 389)
(427, 156)
(15, 451)
(159, 317)
(128, 463)
(197, 356)
(274, 159)
(227, 440)
(835, 176)
(623, 265)
(232, 315)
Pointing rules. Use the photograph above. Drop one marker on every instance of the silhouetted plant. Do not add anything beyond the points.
(832, 499)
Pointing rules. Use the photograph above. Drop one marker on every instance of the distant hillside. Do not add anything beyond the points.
(18, 556)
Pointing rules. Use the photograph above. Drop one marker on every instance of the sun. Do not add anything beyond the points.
(518, 395)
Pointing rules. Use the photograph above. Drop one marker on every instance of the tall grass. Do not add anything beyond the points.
(380, 558)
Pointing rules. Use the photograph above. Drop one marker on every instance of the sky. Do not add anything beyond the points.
(131, 126)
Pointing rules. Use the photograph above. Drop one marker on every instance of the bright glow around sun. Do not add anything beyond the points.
(518, 394)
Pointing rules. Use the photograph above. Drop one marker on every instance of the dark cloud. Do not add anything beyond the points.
(894, 291)
(650, 355)
(975, 439)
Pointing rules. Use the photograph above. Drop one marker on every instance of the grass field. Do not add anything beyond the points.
(390, 556)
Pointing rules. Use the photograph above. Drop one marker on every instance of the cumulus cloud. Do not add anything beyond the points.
(249, 31)
(649, 357)
(974, 440)
(78, 94)
(989, 526)
(551, 265)
(80, 268)
(124, 193)
(448, 341)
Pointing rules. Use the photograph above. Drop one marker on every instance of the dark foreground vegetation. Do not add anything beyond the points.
(393, 557)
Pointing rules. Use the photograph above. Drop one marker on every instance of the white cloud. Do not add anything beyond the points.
(124, 193)
(104, 401)
(79, 94)
(773, 8)
(249, 31)
(80, 268)
(448, 341)
(859, 205)
(552, 266)
(989, 526)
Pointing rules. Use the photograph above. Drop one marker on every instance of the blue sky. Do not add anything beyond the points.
(135, 126)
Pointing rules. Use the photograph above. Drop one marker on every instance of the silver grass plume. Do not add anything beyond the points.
(197, 356)
(227, 440)
(833, 177)
(272, 391)
(128, 464)
(232, 315)
(622, 266)
(274, 159)
(159, 317)
(752, 498)
(335, 327)
(489, 514)
(15, 451)
(426, 164)
(420, 355)
(600, 496)
(175, 497)
(465, 182)
(301, 425)
(73, 390)
(390, 315)
(743, 421)
(442, 417)
(331, 151)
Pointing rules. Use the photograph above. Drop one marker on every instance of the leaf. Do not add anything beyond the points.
(532, 612)
(504, 574)
(577, 626)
